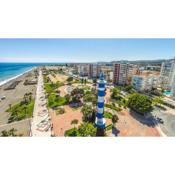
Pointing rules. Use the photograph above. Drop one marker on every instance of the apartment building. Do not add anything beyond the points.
(120, 73)
(83, 69)
(168, 76)
(93, 71)
(107, 70)
(146, 81)
(132, 70)
(172, 80)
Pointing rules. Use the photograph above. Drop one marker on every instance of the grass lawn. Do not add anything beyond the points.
(107, 115)
(52, 87)
(73, 132)
(54, 101)
(112, 107)
(21, 111)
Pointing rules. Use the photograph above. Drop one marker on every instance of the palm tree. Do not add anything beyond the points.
(30, 96)
(87, 113)
(114, 119)
(25, 97)
(10, 106)
(74, 122)
(95, 83)
(7, 133)
(25, 109)
(157, 101)
(82, 81)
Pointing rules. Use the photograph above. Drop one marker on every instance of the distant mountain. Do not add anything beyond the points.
(141, 62)
(137, 62)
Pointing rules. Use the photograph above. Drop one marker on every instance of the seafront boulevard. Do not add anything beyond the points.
(40, 125)
(63, 104)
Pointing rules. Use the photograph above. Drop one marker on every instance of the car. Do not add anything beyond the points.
(160, 120)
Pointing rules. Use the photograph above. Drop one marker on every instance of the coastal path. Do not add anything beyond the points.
(41, 122)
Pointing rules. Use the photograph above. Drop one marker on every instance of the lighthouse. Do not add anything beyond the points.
(100, 121)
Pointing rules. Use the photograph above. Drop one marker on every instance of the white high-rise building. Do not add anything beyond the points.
(145, 83)
(168, 75)
(83, 69)
(167, 71)
(172, 80)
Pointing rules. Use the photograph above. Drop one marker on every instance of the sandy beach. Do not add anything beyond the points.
(14, 96)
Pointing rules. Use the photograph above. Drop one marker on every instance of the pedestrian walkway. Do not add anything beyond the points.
(41, 122)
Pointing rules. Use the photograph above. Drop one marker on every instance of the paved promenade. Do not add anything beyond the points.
(41, 123)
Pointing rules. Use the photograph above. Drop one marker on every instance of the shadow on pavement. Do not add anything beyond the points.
(115, 131)
(148, 119)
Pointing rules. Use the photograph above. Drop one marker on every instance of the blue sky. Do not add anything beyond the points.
(84, 50)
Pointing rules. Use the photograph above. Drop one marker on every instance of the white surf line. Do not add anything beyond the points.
(15, 77)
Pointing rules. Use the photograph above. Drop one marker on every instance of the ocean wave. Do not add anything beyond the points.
(12, 78)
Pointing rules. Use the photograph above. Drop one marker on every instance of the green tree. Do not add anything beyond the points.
(8, 133)
(74, 122)
(90, 98)
(116, 94)
(25, 98)
(93, 116)
(87, 111)
(30, 96)
(87, 129)
(76, 95)
(85, 81)
(157, 101)
(77, 91)
(82, 81)
(25, 110)
(67, 97)
(128, 88)
(70, 79)
(140, 103)
(95, 81)
(124, 102)
(10, 106)
(72, 132)
(114, 119)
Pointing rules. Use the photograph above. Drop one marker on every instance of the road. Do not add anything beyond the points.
(168, 118)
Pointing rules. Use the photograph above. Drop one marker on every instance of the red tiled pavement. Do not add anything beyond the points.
(128, 126)
(62, 122)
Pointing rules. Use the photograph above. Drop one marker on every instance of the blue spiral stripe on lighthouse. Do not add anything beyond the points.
(100, 105)
(100, 121)
(101, 93)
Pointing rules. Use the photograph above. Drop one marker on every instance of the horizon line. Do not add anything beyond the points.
(89, 62)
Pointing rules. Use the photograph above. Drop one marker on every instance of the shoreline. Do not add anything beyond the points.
(14, 96)
(2, 83)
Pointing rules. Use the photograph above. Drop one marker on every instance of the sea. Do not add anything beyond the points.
(9, 71)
